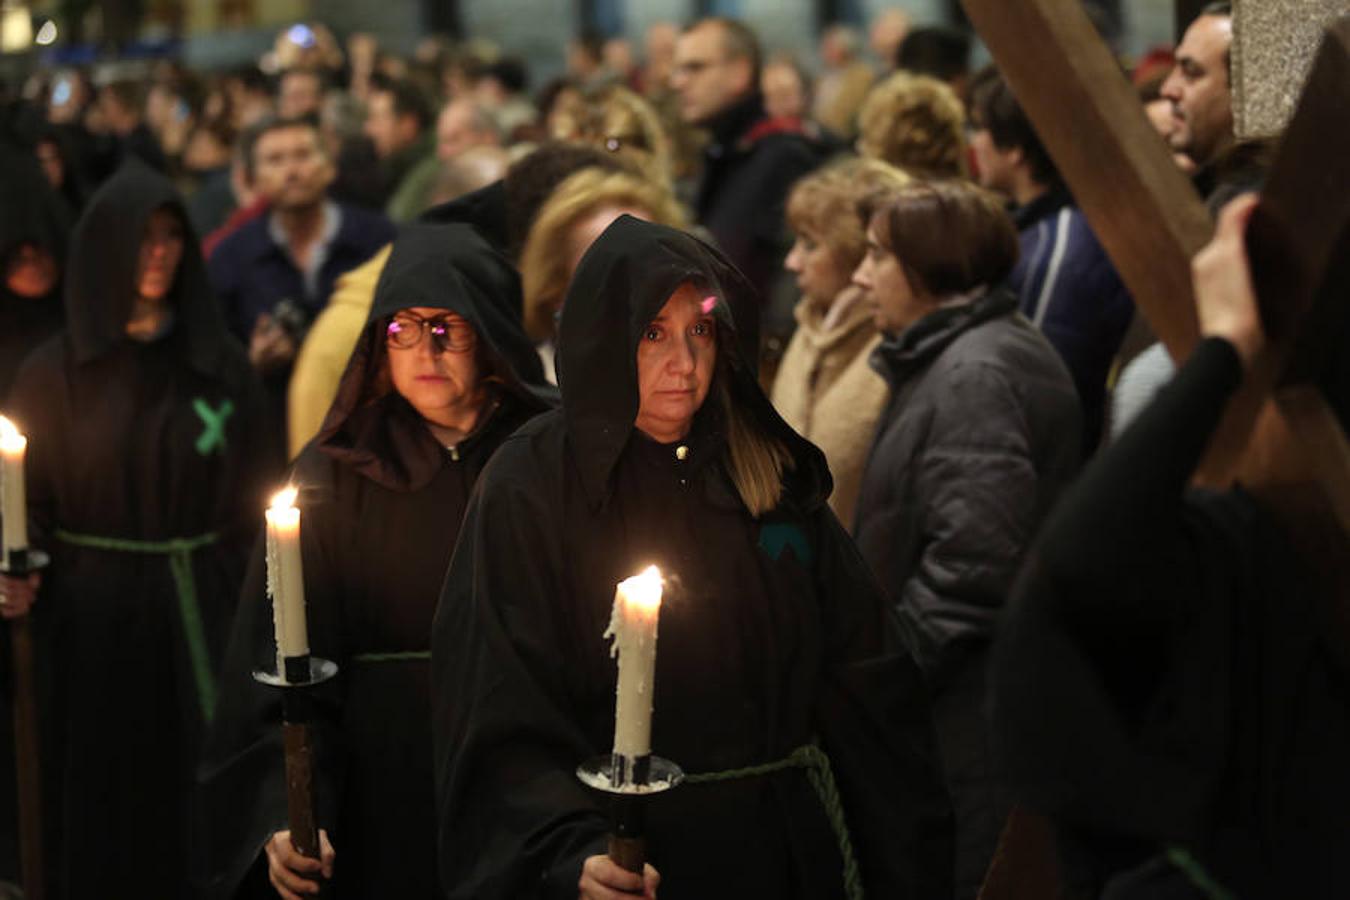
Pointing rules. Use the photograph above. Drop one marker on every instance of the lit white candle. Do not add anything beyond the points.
(285, 578)
(632, 625)
(13, 503)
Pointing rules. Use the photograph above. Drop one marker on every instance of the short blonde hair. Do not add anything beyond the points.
(917, 123)
(825, 204)
(544, 261)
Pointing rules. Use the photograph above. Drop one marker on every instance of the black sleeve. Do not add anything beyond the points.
(1109, 685)
(1118, 509)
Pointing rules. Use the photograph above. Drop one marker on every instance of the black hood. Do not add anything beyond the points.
(32, 210)
(620, 285)
(484, 209)
(451, 267)
(101, 273)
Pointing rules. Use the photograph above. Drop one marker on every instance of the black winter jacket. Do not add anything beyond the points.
(981, 433)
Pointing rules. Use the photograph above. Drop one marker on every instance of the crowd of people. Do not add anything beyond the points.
(830, 345)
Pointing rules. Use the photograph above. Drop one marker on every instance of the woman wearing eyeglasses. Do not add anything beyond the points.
(440, 377)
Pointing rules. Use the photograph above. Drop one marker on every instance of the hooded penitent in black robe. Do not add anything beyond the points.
(143, 442)
(30, 213)
(772, 633)
(1170, 683)
(381, 505)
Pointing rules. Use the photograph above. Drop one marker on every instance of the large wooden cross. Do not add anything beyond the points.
(1279, 436)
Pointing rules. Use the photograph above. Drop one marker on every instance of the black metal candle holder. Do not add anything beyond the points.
(629, 781)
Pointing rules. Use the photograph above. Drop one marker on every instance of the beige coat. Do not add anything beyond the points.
(828, 392)
(324, 354)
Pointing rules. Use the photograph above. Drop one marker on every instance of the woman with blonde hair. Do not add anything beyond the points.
(577, 212)
(915, 123)
(621, 122)
(825, 388)
(801, 721)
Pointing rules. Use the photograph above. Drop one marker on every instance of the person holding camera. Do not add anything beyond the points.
(276, 273)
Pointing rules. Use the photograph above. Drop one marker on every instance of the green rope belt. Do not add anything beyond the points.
(395, 656)
(817, 765)
(179, 551)
(1196, 874)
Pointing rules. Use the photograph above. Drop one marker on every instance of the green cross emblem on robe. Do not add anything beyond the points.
(212, 438)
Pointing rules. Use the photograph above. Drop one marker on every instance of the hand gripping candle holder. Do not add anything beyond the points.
(300, 675)
(20, 563)
(629, 781)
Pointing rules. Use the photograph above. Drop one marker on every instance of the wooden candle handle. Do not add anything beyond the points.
(628, 853)
(300, 800)
(27, 760)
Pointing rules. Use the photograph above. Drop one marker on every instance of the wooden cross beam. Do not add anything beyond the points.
(1151, 222)
(1279, 436)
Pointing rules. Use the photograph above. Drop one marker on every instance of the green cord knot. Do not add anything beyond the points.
(819, 773)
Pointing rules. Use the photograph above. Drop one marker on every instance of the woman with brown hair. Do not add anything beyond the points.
(774, 656)
(576, 213)
(980, 435)
(825, 387)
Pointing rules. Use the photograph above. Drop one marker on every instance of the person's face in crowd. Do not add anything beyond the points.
(455, 131)
(618, 56)
(676, 357)
(1202, 103)
(299, 94)
(291, 169)
(160, 104)
(706, 79)
(389, 131)
(995, 165)
(887, 34)
(204, 152)
(30, 271)
(784, 93)
(112, 115)
(659, 50)
(895, 303)
(432, 363)
(585, 230)
(820, 278)
(49, 158)
(161, 251)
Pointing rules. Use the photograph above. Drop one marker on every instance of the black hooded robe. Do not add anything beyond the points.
(381, 504)
(30, 212)
(145, 442)
(772, 635)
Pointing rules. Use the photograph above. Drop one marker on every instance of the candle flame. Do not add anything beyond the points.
(284, 499)
(644, 590)
(10, 436)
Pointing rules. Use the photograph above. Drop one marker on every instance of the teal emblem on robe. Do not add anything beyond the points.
(775, 537)
(212, 438)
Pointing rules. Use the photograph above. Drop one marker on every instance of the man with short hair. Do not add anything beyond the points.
(398, 123)
(1199, 89)
(462, 125)
(751, 160)
(1065, 283)
(274, 274)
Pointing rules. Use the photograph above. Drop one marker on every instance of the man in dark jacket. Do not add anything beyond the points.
(296, 251)
(980, 435)
(276, 273)
(751, 160)
(1064, 281)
